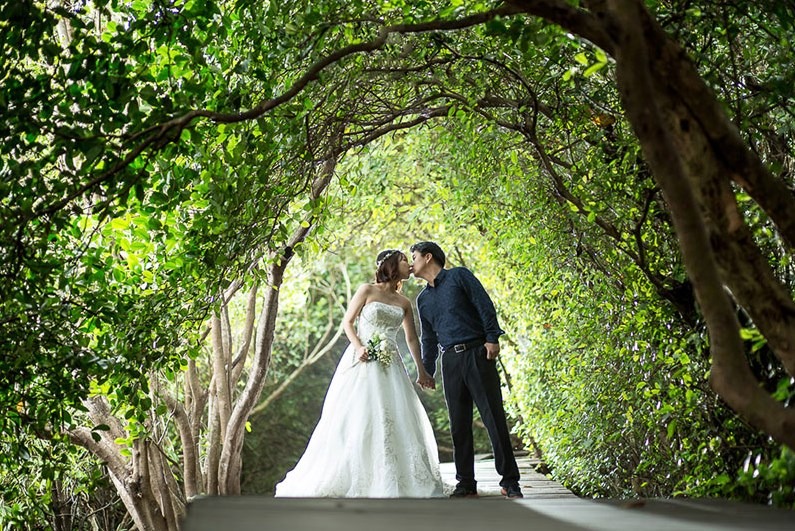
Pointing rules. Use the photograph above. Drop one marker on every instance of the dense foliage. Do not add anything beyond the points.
(156, 153)
(604, 375)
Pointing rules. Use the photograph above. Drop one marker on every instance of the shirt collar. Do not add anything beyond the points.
(439, 277)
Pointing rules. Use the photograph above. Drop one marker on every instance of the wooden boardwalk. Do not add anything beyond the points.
(547, 506)
(534, 485)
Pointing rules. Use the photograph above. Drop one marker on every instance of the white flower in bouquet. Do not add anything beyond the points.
(379, 349)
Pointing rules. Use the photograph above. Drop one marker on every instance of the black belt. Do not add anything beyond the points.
(461, 347)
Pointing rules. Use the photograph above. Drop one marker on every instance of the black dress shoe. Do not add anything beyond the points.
(512, 491)
(463, 491)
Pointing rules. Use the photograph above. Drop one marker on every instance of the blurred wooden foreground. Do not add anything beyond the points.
(547, 506)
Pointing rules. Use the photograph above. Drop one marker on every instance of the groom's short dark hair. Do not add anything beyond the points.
(432, 248)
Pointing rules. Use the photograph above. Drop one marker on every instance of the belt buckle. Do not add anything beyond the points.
(459, 348)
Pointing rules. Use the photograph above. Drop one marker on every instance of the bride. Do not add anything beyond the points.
(373, 439)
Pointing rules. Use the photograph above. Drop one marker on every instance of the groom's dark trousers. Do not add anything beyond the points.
(470, 377)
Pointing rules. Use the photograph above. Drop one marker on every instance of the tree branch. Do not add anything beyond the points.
(730, 375)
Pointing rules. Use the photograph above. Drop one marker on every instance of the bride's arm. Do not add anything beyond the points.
(354, 308)
(423, 378)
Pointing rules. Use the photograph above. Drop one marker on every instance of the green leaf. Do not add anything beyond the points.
(591, 70)
(582, 59)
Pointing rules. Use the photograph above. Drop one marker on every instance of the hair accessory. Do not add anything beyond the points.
(386, 257)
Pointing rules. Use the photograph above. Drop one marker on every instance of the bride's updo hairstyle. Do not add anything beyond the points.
(386, 265)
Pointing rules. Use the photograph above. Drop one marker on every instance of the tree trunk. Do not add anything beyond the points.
(239, 361)
(128, 477)
(195, 402)
(61, 507)
(190, 448)
(223, 396)
(716, 244)
(213, 445)
(229, 466)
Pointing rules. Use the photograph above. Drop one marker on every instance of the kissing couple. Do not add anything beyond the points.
(374, 439)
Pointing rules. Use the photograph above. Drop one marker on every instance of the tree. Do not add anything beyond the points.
(695, 152)
(123, 226)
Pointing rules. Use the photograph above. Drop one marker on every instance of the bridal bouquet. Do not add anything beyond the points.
(379, 349)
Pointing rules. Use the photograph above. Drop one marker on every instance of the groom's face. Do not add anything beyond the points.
(418, 263)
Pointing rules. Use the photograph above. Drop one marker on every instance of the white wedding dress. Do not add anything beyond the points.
(373, 439)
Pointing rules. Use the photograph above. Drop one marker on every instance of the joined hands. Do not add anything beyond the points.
(426, 381)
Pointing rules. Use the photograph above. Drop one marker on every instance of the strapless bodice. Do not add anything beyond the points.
(379, 318)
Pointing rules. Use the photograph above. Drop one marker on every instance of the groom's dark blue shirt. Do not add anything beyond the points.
(456, 309)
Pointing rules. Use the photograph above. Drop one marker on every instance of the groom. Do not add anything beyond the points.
(458, 318)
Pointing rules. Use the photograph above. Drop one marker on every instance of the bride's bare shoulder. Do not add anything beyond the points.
(365, 289)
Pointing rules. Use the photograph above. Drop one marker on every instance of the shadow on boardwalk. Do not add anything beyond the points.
(547, 506)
